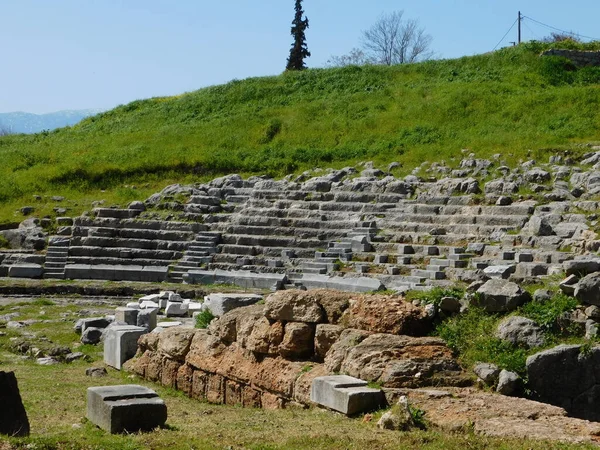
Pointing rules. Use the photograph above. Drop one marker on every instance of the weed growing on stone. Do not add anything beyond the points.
(204, 318)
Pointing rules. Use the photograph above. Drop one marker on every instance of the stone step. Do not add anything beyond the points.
(90, 222)
(54, 265)
(270, 241)
(315, 270)
(116, 213)
(144, 244)
(122, 252)
(102, 260)
(428, 274)
(132, 233)
(56, 259)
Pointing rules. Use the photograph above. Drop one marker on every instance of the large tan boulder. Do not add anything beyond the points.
(325, 336)
(298, 340)
(336, 355)
(386, 314)
(175, 342)
(227, 326)
(402, 361)
(265, 337)
(294, 306)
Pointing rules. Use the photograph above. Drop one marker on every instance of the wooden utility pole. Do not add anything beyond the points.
(519, 20)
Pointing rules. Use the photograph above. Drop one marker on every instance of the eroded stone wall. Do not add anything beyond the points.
(267, 355)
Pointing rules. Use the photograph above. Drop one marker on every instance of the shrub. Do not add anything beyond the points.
(204, 318)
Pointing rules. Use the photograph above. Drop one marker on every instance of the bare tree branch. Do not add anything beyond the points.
(393, 40)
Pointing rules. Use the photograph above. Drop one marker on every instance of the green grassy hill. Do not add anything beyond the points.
(505, 102)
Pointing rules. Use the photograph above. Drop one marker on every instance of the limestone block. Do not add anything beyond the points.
(150, 298)
(345, 394)
(25, 270)
(120, 344)
(176, 309)
(146, 318)
(148, 304)
(220, 304)
(126, 315)
(125, 408)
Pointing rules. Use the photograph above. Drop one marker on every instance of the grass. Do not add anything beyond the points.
(504, 102)
(472, 334)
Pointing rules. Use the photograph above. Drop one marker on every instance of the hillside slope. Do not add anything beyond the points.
(506, 102)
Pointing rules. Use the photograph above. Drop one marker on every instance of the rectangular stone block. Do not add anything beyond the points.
(126, 315)
(219, 304)
(123, 408)
(176, 309)
(146, 318)
(345, 394)
(120, 344)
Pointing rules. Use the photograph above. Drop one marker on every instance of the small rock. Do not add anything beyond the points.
(96, 372)
(509, 383)
(398, 418)
(521, 331)
(450, 305)
(542, 295)
(568, 285)
(74, 356)
(488, 373)
(593, 312)
(47, 361)
(503, 200)
(91, 335)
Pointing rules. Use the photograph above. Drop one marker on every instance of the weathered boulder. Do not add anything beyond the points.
(239, 319)
(337, 353)
(588, 289)
(567, 376)
(521, 331)
(538, 226)
(265, 337)
(294, 306)
(13, 418)
(498, 295)
(581, 267)
(312, 306)
(488, 373)
(509, 383)
(298, 340)
(325, 336)
(175, 342)
(402, 361)
(386, 314)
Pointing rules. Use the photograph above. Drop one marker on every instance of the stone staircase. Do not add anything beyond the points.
(198, 254)
(56, 257)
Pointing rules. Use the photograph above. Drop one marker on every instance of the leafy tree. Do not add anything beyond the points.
(299, 50)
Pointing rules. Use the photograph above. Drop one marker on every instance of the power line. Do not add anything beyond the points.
(504, 37)
(562, 31)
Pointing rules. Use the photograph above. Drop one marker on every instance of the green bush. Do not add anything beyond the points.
(471, 337)
(204, 318)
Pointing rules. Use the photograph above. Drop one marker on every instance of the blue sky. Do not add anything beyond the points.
(76, 54)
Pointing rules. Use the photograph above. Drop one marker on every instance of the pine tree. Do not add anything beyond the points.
(299, 49)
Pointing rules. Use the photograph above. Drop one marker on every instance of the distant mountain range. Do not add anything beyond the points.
(22, 122)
